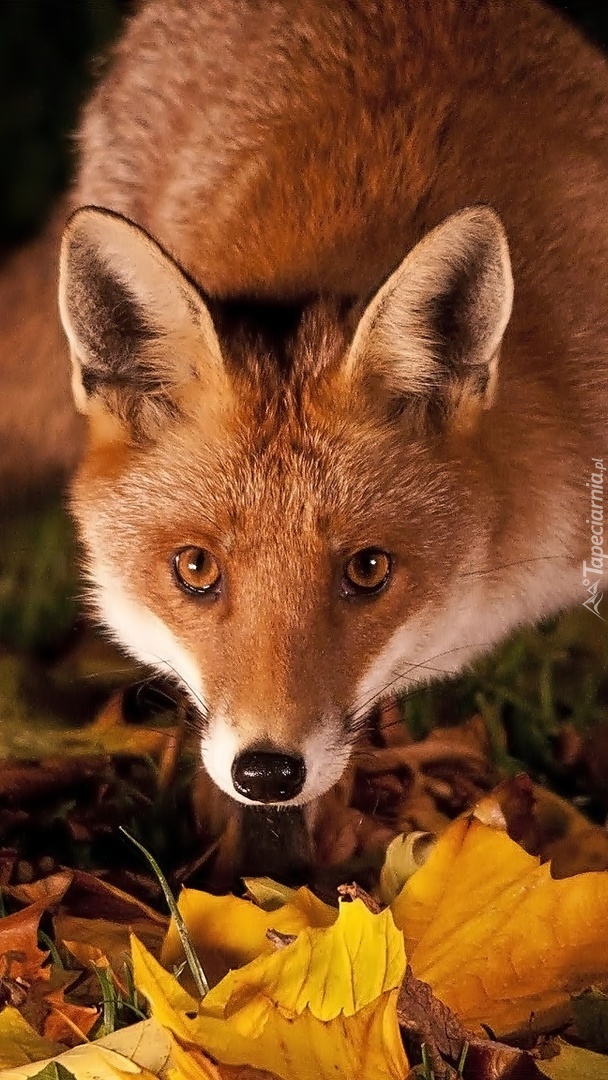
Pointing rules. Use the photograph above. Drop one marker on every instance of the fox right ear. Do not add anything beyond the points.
(431, 337)
(138, 329)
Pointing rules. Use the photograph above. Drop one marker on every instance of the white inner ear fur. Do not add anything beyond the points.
(395, 339)
(168, 301)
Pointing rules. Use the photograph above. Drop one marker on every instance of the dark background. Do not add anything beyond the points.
(51, 51)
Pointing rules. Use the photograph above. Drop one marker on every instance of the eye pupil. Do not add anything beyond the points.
(197, 570)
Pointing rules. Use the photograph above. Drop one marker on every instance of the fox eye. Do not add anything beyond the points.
(366, 572)
(197, 571)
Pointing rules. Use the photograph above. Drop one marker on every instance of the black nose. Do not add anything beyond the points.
(268, 777)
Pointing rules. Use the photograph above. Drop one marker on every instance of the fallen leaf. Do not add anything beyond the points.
(591, 1019)
(574, 1063)
(89, 957)
(47, 891)
(355, 892)
(322, 1007)
(488, 1060)
(54, 1071)
(268, 894)
(20, 957)
(142, 1050)
(192, 1065)
(498, 940)
(68, 1023)
(227, 932)
(422, 1015)
(92, 893)
(104, 943)
(404, 855)
(424, 1020)
(110, 734)
(579, 851)
(19, 1043)
(547, 825)
(146, 1044)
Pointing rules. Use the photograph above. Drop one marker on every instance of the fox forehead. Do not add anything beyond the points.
(315, 473)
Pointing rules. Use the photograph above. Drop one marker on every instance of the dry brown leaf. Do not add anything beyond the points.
(20, 957)
(551, 827)
(488, 1060)
(421, 1014)
(47, 891)
(102, 943)
(91, 895)
(68, 1023)
(425, 1020)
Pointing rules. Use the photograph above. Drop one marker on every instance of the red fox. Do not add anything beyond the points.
(336, 295)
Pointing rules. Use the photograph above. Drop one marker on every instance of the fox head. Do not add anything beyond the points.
(276, 504)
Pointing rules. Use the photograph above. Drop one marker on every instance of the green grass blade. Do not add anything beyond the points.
(194, 963)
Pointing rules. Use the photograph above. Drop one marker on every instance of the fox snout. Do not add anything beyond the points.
(267, 775)
(271, 767)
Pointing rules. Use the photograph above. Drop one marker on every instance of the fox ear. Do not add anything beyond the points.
(138, 330)
(431, 335)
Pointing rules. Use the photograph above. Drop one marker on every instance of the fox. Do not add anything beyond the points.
(334, 289)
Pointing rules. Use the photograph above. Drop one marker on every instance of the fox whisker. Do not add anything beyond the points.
(358, 714)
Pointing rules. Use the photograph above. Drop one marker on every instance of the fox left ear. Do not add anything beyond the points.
(431, 335)
(139, 331)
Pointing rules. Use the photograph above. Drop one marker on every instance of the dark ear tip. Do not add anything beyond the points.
(83, 216)
(85, 223)
(95, 223)
(90, 212)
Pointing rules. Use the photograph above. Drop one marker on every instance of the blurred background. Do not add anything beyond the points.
(542, 699)
(51, 51)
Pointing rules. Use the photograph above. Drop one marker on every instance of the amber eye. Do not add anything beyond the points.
(366, 572)
(197, 570)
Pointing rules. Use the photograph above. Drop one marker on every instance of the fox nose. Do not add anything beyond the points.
(268, 776)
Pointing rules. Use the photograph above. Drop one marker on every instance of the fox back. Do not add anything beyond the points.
(337, 309)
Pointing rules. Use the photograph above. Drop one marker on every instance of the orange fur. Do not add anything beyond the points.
(286, 158)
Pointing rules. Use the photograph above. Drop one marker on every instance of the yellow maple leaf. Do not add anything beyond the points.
(189, 1065)
(227, 932)
(192, 1064)
(497, 938)
(140, 1052)
(323, 1007)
